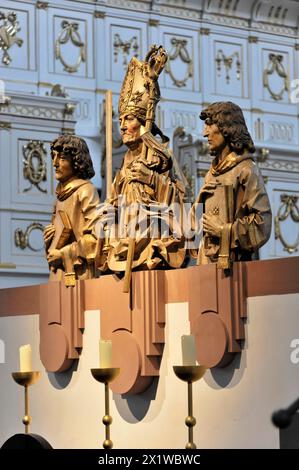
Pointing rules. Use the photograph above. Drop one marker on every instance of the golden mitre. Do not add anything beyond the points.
(140, 85)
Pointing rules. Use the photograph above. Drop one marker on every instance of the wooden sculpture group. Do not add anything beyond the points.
(141, 226)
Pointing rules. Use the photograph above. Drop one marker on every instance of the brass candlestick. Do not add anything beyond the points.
(106, 375)
(26, 379)
(190, 374)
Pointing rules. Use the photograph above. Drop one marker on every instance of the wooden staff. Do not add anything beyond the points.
(108, 143)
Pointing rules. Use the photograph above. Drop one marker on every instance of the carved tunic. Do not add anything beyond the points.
(79, 200)
(251, 211)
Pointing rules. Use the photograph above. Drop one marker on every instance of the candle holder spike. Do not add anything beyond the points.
(26, 379)
(190, 374)
(106, 375)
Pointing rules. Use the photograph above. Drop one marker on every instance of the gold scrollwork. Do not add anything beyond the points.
(275, 65)
(22, 239)
(228, 62)
(179, 49)
(35, 167)
(288, 208)
(8, 31)
(68, 33)
(125, 47)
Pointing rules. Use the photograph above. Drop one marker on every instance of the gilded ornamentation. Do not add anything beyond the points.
(125, 47)
(22, 239)
(8, 31)
(228, 63)
(70, 32)
(179, 49)
(190, 180)
(275, 65)
(58, 90)
(42, 5)
(35, 167)
(288, 208)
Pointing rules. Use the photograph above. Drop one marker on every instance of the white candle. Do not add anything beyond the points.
(105, 353)
(188, 350)
(25, 358)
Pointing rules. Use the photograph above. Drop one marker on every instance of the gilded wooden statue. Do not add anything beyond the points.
(137, 229)
(69, 241)
(237, 214)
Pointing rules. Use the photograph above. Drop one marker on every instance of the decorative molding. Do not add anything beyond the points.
(288, 208)
(228, 63)
(35, 172)
(275, 64)
(42, 5)
(8, 31)
(226, 20)
(253, 39)
(179, 50)
(125, 47)
(22, 239)
(280, 165)
(70, 32)
(36, 111)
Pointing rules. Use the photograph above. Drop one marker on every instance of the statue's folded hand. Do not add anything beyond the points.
(140, 172)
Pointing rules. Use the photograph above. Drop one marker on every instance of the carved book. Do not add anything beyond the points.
(63, 231)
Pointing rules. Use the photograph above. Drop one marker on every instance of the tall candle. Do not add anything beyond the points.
(105, 353)
(25, 358)
(188, 350)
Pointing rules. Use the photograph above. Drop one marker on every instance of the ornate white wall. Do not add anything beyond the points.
(244, 51)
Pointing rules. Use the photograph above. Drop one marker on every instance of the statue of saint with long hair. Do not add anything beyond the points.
(237, 213)
(69, 241)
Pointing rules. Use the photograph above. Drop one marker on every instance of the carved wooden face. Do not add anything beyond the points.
(216, 140)
(63, 166)
(130, 129)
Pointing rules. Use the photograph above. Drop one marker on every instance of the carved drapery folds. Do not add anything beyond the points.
(288, 209)
(276, 66)
(70, 33)
(125, 47)
(8, 34)
(228, 62)
(35, 166)
(179, 51)
(22, 238)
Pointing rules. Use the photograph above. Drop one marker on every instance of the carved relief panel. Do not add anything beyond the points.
(124, 40)
(181, 76)
(179, 70)
(70, 45)
(26, 240)
(229, 69)
(276, 75)
(17, 32)
(32, 172)
(284, 197)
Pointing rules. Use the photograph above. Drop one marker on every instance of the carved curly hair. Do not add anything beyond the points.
(229, 118)
(76, 148)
